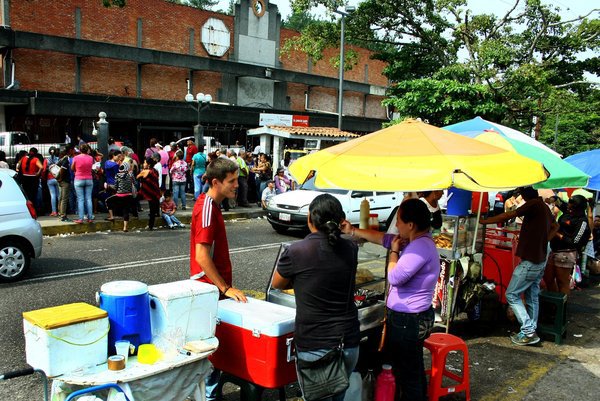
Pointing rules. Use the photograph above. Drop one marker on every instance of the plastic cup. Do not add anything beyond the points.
(122, 347)
(148, 354)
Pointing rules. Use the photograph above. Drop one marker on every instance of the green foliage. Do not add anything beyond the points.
(114, 3)
(201, 4)
(442, 101)
(298, 21)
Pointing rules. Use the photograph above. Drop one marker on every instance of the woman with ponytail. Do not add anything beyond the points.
(321, 269)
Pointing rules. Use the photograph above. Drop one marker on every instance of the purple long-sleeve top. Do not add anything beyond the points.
(413, 278)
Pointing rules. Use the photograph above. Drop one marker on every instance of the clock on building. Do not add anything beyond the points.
(259, 7)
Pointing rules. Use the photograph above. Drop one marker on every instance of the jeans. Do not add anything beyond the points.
(171, 220)
(406, 333)
(350, 360)
(526, 280)
(53, 189)
(242, 194)
(65, 191)
(197, 185)
(211, 382)
(179, 192)
(83, 189)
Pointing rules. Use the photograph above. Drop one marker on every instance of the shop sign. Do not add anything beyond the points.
(282, 120)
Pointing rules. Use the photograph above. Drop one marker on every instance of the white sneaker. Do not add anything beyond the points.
(181, 225)
(171, 226)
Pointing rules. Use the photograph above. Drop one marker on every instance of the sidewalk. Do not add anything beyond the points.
(53, 226)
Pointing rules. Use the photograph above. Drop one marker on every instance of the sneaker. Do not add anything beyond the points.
(171, 226)
(523, 339)
(181, 225)
(65, 219)
(183, 208)
(78, 221)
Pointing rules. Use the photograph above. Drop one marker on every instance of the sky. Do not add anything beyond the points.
(570, 8)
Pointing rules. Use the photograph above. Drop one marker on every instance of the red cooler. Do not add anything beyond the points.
(255, 342)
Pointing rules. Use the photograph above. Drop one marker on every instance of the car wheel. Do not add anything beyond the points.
(14, 261)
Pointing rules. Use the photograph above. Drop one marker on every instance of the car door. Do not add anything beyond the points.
(384, 203)
(356, 198)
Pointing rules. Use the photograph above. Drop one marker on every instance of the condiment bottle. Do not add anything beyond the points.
(385, 386)
(365, 208)
(374, 221)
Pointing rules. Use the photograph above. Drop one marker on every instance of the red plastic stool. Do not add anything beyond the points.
(440, 344)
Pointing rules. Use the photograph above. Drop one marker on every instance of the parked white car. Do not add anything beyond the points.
(20, 232)
(290, 209)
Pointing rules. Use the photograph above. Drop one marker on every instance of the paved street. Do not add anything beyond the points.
(74, 267)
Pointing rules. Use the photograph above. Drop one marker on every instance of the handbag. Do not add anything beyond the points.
(565, 259)
(325, 377)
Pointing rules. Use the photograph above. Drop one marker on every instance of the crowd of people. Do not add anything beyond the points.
(73, 180)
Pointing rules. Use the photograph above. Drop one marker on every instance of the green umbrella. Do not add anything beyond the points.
(562, 173)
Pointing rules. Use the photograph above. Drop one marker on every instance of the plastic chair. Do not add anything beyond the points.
(559, 302)
(440, 344)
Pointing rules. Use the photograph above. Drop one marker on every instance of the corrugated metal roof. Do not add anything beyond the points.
(315, 131)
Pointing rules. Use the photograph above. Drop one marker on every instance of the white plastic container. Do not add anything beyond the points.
(66, 338)
(183, 311)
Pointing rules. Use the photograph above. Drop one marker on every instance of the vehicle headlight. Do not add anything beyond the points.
(303, 209)
(271, 203)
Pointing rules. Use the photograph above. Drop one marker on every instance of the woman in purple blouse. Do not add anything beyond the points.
(413, 270)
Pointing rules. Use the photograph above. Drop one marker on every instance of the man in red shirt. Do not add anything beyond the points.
(190, 151)
(209, 250)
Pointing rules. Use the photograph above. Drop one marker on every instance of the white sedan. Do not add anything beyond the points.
(20, 232)
(290, 209)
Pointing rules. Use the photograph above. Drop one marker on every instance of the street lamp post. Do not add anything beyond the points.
(203, 101)
(345, 12)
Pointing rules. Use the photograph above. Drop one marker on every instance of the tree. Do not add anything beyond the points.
(448, 64)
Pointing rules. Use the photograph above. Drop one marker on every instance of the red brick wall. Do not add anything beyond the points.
(297, 61)
(296, 94)
(165, 26)
(44, 71)
(323, 99)
(374, 109)
(110, 77)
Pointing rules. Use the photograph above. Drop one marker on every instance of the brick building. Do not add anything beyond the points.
(65, 61)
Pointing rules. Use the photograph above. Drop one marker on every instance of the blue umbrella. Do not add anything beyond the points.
(589, 163)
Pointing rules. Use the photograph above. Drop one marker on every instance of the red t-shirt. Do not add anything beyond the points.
(191, 151)
(208, 227)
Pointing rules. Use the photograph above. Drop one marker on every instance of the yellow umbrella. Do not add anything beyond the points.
(415, 156)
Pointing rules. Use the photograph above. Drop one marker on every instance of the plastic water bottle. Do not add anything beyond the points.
(368, 386)
(385, 386)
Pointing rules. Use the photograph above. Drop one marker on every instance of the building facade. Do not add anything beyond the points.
(65, 61)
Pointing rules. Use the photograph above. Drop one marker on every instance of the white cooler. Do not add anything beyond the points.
(65, 338)
(183, 310)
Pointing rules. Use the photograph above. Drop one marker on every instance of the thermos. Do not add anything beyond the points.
(385, 386)
(368, 386)
(364, 214)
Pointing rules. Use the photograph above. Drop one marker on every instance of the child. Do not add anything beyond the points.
(168, 209)
(150, 189)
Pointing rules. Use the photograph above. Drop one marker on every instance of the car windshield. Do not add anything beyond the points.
(20, 139)
(310, 185)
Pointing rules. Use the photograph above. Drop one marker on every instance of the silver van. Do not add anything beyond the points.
(20, 232)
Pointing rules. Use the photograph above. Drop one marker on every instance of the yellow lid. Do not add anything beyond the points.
(64, 315)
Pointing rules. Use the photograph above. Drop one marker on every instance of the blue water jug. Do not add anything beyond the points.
(128, 306)
(459, 202)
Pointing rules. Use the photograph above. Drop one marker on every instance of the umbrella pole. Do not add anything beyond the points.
(477, 223)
